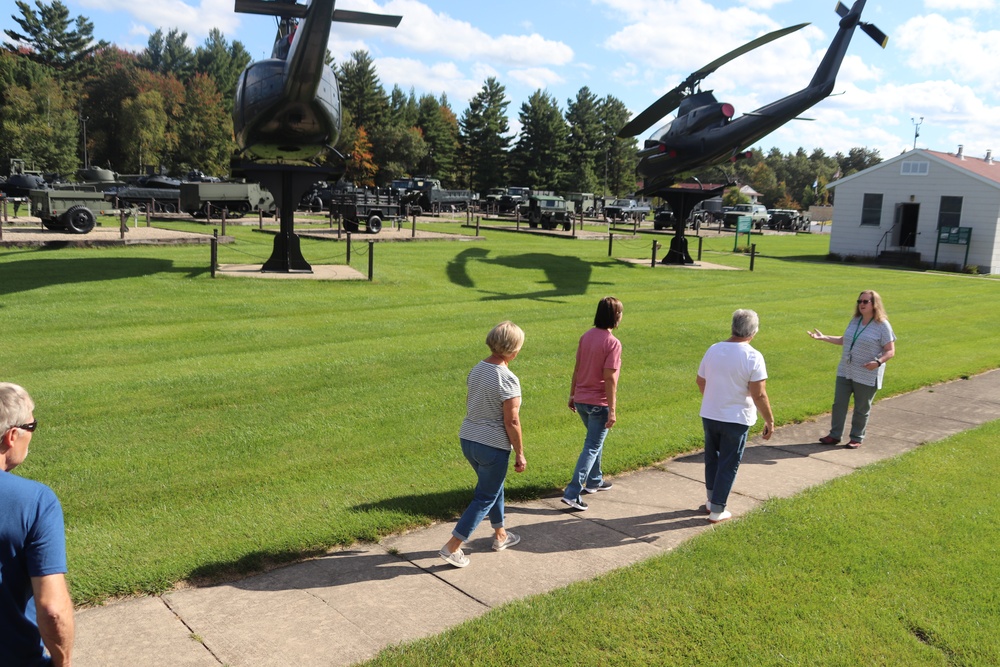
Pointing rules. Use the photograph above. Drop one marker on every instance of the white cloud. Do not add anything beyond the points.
(434, 79)
(196, 20)
(535, 77)
(934, 44)
(425, 31)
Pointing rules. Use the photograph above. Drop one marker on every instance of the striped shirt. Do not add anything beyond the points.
(489, 386)
(862, 343)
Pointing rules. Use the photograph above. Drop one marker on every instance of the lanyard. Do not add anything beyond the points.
(858, 332)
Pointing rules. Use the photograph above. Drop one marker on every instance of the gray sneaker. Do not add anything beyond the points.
(605, 486)
(511, 540)
(458, 559)
(575, 503)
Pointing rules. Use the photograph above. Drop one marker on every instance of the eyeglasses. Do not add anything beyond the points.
(860, 301)
(30, 426)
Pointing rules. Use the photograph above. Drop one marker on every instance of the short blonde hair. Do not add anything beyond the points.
(16, 405)
(505, 339)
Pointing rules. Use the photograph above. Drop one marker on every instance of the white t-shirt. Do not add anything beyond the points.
(728, 369)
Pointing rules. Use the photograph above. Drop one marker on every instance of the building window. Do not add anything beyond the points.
(950, 213)
(914, 168)
(871, 210)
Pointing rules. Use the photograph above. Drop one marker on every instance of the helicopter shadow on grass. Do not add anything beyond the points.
(569, 276)
(36, 271)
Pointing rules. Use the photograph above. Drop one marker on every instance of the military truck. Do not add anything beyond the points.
(581, 202)
(515, 197)
(787, 219)
(756, 212)
(547, 210)
(237, 198)
(425, 194)
(626, 210)
(492, 201)
(72, 208)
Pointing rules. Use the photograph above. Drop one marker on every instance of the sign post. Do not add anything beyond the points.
(954, 236)
(744, 224)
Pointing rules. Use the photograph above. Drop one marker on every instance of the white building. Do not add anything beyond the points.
(896, 209)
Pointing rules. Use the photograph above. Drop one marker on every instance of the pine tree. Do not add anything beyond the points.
(484, 137)
(586, 158)
(361, 93)
(49, 39)
(619, 154)
(441, 139)
(539, 158)
(223, 62)
(168, 55)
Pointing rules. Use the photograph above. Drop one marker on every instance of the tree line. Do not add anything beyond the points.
(66, 98)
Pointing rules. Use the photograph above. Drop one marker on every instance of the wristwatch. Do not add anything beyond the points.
(878, 361)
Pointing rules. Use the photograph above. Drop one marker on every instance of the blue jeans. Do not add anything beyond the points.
(724, 445)
(863, 397)
(490, 465)
(588, 466)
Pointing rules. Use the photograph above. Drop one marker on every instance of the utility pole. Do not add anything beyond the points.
(916, 130)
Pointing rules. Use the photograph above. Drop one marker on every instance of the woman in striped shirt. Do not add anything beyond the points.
(490, 431)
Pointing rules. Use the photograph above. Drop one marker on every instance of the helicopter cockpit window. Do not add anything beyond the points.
(661, 131)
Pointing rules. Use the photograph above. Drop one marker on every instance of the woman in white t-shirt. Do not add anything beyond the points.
(490, 431)
(732, 377)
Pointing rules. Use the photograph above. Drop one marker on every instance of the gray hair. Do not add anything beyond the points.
(745, 323)
(16, 405)
(505, 339)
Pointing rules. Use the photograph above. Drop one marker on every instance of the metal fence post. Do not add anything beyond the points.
(611, 240)
(225, 214)
(371, 259)
(753, 253)
(652, 264)
(477, 225)
(700, 240)
(348, 248)
(215, 250)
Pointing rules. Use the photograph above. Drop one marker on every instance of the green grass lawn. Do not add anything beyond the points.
(205, 428)
(893, 565)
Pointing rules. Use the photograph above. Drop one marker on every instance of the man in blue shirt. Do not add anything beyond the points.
(36, 611)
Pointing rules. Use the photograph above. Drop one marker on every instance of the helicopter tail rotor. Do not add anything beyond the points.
(880, 37)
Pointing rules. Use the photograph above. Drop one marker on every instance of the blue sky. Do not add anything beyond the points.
(942, 62)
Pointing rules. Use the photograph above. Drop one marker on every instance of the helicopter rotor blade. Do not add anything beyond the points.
(385, 20)
(880, 37)
(652, 113)
(672, 100)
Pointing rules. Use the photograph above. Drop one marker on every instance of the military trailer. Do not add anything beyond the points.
(358, 207)
(237, 198)
(71, 209)
(547, 211)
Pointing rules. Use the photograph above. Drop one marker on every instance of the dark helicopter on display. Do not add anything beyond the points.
(704, 132)
(286, 115)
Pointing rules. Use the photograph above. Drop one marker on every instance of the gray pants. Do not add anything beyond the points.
(863, 397)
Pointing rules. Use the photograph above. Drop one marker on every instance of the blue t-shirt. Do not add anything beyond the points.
(32, 544)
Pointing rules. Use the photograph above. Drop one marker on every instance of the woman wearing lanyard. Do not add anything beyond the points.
(868, 344)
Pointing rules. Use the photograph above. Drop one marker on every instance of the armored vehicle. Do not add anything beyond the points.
(546, 210)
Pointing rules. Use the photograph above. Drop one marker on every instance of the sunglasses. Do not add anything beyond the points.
(30, 426)
(860, 301)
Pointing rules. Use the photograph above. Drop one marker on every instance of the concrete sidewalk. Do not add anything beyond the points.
(346, 606)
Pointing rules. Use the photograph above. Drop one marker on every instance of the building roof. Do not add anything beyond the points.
(984, 169)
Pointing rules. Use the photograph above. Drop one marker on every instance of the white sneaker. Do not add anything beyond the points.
(458, 559)
(511, 540)
(718, 517)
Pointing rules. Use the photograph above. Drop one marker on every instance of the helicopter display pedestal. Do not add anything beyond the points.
(287, 182)
(682, 199)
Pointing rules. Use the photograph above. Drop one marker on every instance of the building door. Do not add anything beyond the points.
(906, 224)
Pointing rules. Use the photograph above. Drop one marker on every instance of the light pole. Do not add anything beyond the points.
(86, 161)
(916, 130)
